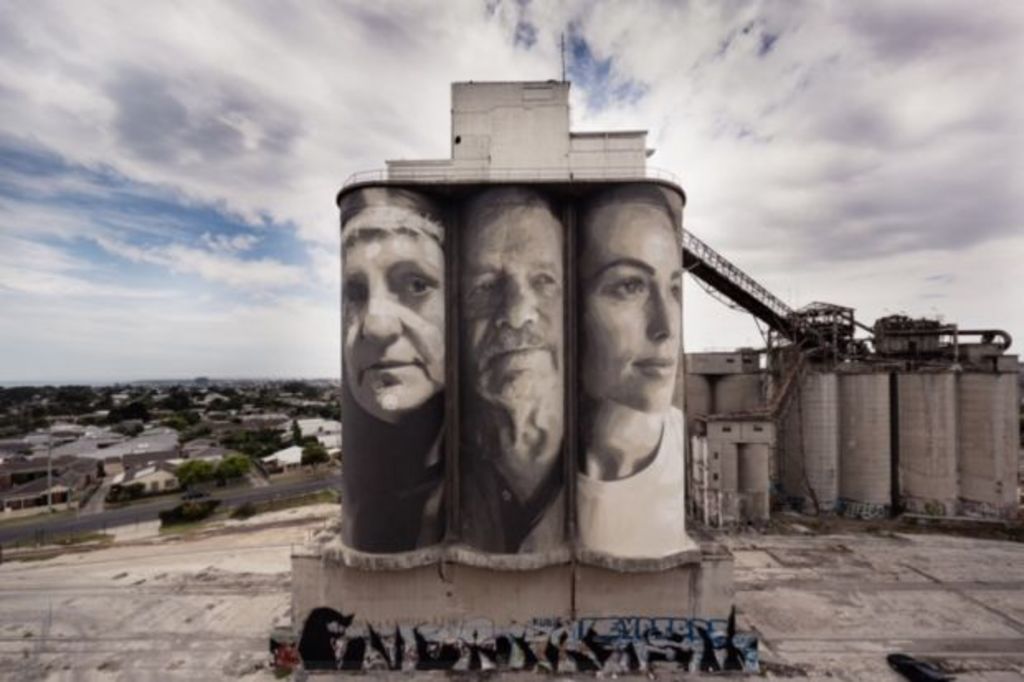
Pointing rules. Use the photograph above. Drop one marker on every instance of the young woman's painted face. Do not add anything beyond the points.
(393, 310)
(631, 269)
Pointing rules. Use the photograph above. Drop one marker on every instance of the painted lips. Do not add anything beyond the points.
(656, 368)
(513, 357)
(389, 367)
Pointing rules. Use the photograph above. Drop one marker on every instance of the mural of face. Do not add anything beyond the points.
(512, 300)
(631, 269)
(393, 309)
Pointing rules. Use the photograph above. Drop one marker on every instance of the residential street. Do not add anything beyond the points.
(86, 522)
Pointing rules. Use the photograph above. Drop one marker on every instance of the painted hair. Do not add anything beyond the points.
(492, 202)
(668, 203)
(372, 198)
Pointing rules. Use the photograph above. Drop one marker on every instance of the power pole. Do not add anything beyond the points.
(49, 469)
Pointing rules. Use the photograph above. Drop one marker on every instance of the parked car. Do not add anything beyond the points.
(193, 494)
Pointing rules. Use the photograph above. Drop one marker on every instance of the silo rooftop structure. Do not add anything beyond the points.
(520, 132)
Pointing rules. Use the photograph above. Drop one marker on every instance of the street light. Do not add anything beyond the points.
(49, 468)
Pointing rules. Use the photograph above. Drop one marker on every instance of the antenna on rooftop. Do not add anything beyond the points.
(563, 55)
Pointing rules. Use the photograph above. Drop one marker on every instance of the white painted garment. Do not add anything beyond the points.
(643, 515)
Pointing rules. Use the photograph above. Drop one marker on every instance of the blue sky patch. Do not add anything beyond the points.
(597, 77)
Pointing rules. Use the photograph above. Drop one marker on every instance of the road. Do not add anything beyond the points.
(48, 528)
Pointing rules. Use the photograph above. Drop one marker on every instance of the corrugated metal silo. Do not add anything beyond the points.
(928, 442)
(865, 449)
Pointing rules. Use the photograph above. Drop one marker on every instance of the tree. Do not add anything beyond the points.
(195, 471)
(177, 400)
(233, 466)
(314, 454)
(176, 422)
(133, 410)
(296, 432)
(256, 444)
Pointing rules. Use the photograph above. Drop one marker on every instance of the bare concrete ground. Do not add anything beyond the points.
(826, 606)
(833, 606)
(197, 609)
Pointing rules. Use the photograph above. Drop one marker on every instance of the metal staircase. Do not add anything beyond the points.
(714, 269)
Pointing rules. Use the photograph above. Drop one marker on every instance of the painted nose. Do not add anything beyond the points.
(661, 323)
(519, 306)
(381, 322)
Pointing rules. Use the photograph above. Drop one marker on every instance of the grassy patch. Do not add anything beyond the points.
(187, 528)
(79, 538)
(36, 518)
(65, 540)
(250, 509)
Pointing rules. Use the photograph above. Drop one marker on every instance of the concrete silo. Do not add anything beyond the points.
(738, 393)
(865, 451)
(928, 442)
(819, 431)
(988, 433)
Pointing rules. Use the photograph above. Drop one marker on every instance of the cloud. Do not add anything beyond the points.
(38, 269)
(230, 244)
(843, 151)
(260, 273)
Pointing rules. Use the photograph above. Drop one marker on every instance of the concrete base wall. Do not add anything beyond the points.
(448, 594)
(441, 594)
(701, 589)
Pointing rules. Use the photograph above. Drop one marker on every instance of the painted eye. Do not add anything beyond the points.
(629, 287)
(544, 283)
(484, 288)
(418, 286)
(355, 291)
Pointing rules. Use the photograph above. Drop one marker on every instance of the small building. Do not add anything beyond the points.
(69, 477)
(288, 459)
(29, 497)
(149, 447)
(155, 478)
(326, 431)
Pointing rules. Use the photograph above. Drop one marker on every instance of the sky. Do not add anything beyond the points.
(168, 169)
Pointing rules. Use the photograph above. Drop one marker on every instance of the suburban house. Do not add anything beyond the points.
(24, 488)
(288, 459)
(326, 431)
(149, 447)
(204, 448)
(154, 478)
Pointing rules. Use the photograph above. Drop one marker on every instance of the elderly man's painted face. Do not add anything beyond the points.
(631, 269)
(512, 301)
(393, 310)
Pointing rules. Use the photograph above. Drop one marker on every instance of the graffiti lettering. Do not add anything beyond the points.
(334, 641)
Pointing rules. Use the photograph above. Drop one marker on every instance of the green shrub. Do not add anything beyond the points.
(188, 512)
(125, 493)
(244, 511)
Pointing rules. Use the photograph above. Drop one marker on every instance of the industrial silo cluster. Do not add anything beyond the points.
(912, 420)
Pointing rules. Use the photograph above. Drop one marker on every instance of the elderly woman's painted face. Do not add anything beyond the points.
(631, 269)
(393, 310)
